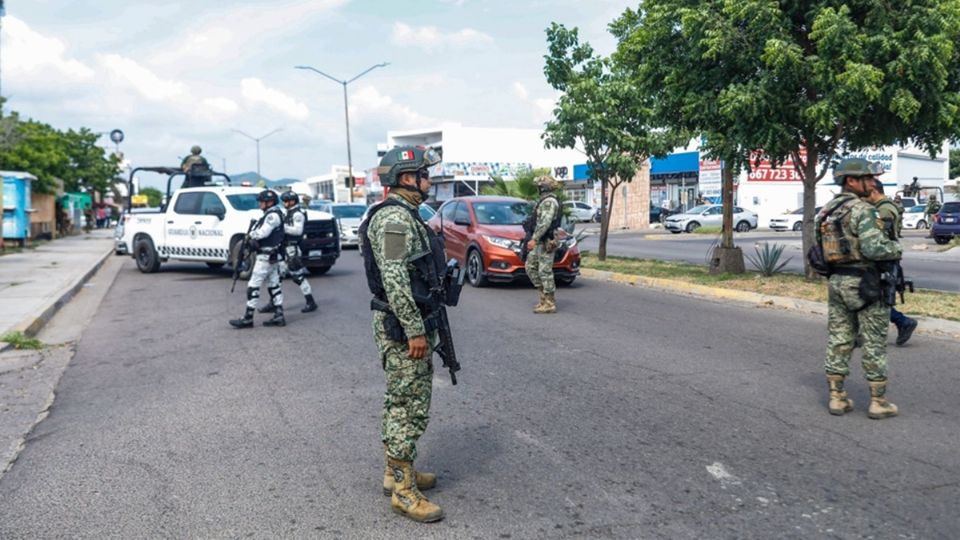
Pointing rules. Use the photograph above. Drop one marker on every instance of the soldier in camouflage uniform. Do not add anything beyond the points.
(395, 240)
(889, 214)
(193, 159)
(898, 202)
(851, 236)
(542, 245)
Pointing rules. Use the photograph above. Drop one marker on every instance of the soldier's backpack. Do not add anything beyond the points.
(836, 245)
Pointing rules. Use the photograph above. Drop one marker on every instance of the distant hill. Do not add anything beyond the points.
(252, 177)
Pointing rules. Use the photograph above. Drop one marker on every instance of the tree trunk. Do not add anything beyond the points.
(606, 209)
(809, 205)
(727, 259)
(727, 201)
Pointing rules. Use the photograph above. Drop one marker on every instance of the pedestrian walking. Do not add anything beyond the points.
(291, 265)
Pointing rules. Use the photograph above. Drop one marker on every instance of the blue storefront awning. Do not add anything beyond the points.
(683, 162)
(676, 163)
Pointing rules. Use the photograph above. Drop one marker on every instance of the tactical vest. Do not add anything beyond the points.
(838, 240)
(289, 238)
(428, 269)
(276, 236)
(530, 224)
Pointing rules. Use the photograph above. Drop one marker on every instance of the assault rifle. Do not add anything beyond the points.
(529, 226)
(894, 283)
(242, 255)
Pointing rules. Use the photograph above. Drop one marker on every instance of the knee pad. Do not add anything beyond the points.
(252, 293)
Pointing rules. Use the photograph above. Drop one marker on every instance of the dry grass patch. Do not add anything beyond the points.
(939, 304)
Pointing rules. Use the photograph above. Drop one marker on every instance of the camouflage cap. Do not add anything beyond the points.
(855, 167)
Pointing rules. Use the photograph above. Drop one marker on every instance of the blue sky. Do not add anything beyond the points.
(174, 74)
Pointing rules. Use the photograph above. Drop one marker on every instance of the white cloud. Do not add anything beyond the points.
(430, 38)
(36, 62)
(221, 104)
(520, 90)
(127, 71)
(541, 108)
(367, 102)
(254, 91)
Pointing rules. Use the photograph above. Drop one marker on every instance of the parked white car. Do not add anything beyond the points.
(580, 211)
(791, 221)
(914, 218)
(709, 215)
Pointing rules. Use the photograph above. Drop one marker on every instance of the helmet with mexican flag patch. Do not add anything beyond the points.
(403, 159)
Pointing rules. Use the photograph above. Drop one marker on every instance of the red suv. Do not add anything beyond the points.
(484, 234)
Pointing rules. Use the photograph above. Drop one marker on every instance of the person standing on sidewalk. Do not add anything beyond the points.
(852, 240)
(265, 240)
(887, 210)
(542, 244)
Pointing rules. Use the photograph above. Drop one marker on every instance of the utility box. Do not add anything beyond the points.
(16, 205)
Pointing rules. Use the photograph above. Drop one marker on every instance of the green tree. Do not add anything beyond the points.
(523, 185)
(954, 163)
(154, 196)
(49, 154)
(601, 114)
(799, 80)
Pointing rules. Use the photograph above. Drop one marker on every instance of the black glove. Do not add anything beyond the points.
(254, 244)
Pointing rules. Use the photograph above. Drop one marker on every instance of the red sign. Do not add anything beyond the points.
(764, 171)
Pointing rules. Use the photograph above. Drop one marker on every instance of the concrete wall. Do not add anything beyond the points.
(631, 202)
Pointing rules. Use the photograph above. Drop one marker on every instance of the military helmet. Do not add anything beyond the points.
(546, 182)
(289, 196)
(195, 150)
(856, 167)
(405, 159)
(933, 196)
(267, 195)
(876, 168)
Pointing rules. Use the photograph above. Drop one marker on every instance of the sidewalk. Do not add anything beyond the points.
(36, 283)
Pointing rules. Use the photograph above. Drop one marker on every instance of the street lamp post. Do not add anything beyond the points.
(346, 111)
(256, 140)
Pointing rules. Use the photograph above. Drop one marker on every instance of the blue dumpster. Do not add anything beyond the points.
(16, 205)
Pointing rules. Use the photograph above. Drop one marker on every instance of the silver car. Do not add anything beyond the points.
(709, 215)
(349, 216)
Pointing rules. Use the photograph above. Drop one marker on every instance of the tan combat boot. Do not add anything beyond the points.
(839, 402)
(539, 306)
(406, 498)
(425, 480)
(549, 304)
(879, 406)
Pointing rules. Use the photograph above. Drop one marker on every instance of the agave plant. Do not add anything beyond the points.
(767, 260)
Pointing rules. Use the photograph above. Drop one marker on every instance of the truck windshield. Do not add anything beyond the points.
(245, 201)
(501, 213)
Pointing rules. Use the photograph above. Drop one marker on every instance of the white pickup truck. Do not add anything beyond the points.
(207, 224)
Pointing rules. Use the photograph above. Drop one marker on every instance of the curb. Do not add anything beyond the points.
(33, 324)
(929, 325)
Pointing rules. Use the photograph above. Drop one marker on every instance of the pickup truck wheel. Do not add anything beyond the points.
(215, 265)
(235, 253)
(148, 261)
(319, 270)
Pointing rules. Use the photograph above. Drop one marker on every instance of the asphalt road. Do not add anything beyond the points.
(928, 269)
(630, 414)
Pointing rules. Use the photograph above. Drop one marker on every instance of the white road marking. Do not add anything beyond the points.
(719, 472)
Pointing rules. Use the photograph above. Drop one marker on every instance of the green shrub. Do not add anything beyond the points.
(767, 260)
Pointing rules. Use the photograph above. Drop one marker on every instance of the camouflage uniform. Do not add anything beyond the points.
(933, 206)
(891, 215)
(847, 311)
(395, 239)
(539, 263)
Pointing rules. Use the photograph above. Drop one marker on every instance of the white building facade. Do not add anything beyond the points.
(471, 156)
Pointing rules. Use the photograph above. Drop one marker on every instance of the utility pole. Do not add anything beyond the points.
(256, 140)
(346, 113)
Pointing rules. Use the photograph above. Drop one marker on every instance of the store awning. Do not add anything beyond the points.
(676, 163)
